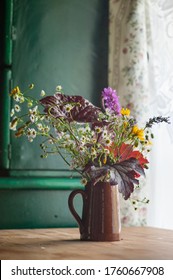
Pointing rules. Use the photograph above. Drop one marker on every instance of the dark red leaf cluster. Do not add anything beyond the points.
(82, 110)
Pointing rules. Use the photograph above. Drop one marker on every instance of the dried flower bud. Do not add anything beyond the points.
(19, 133)
(31, 86)
(42, 93)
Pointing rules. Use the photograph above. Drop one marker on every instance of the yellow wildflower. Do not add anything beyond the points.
(14, 91)
(125, 112)
(136, 131)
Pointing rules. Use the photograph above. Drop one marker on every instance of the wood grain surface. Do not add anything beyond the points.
(64, 244)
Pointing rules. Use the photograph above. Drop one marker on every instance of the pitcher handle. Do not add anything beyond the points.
(72, 209)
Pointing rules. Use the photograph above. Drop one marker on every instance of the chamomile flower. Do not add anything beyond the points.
(17, 108)
(46, 129)
(31, 133)
(81, 149)
(87, 129)
(16, 97)
(13, 124)
(106, 151)
(68, 107)
(33, 111)
(33, 114)
(59, 88)
(83, 139)
(108, 141)
(39, 126)
(98, 129)
(33, 118)
(104, 133)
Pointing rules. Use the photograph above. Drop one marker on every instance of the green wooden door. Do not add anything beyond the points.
(46, 43)
(57, 42)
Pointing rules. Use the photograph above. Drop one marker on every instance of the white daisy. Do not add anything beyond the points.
(17, 108)
(13, 124)
(31, 133)
(16, 97)
(39, 126)
(59, 88)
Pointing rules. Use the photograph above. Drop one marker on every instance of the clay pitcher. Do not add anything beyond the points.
(100, 219)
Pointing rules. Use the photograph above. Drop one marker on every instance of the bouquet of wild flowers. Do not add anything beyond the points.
(103, 144)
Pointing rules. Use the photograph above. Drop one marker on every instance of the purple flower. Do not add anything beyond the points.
(110, 100)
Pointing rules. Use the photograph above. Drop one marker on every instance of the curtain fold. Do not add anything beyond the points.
(141, 70)
(128, 57)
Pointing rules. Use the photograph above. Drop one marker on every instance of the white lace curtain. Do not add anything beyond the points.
(141, 69)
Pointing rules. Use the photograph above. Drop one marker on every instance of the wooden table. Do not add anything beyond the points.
(64, 244)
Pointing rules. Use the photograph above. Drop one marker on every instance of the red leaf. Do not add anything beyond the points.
(139, 157)
(125, 151)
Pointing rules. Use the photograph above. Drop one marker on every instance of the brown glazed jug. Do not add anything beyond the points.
(100, 219)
